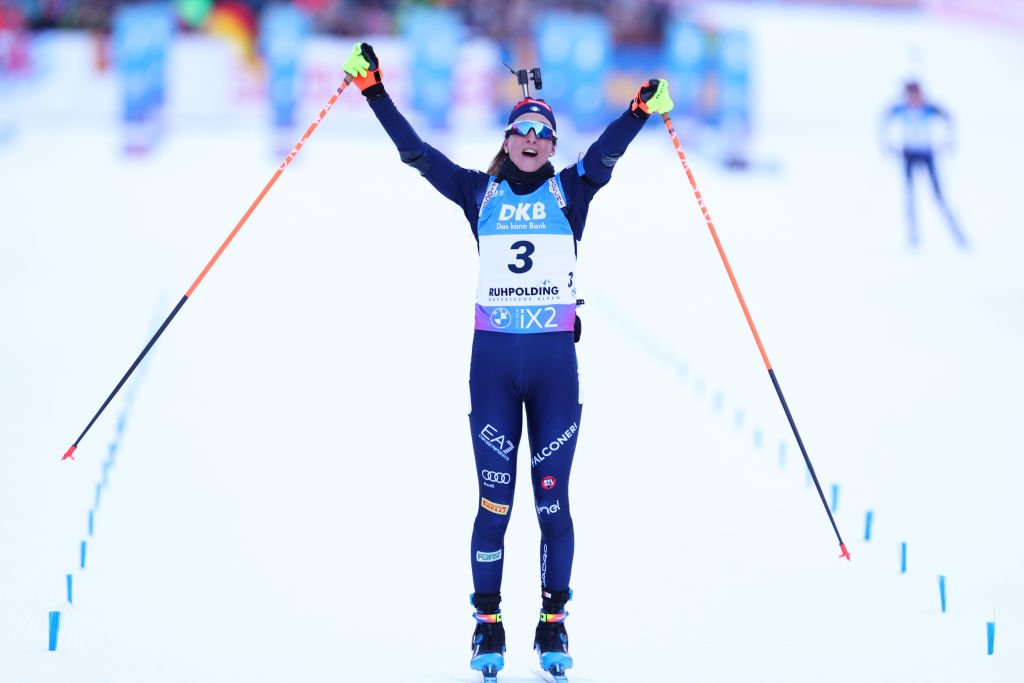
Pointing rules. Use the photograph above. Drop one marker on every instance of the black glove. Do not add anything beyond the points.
(639, 106)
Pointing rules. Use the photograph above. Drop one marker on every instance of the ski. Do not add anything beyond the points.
(551, 676)
(490, 674)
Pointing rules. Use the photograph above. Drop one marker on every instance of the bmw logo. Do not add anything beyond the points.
(501, 318)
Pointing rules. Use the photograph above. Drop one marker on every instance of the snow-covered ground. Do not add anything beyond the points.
(292, 493)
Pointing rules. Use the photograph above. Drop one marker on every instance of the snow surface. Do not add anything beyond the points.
(293, 490)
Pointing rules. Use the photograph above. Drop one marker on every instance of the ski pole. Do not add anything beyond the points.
(750, 322)
(252, 207)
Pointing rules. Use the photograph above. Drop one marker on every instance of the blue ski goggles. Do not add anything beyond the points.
(540, 130)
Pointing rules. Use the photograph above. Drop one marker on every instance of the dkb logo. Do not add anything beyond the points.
(521, 212)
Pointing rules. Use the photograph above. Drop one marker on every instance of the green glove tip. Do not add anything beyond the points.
(356, 64)
(660, 102)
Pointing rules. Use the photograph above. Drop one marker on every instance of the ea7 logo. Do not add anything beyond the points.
(498, 443)
(521, 212)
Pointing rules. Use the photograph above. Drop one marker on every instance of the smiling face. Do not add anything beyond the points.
(528, 153)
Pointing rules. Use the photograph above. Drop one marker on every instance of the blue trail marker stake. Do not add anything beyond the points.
(903, 557)
(83, 554)
(681, 370)
(991, 636)
(867, 526)
(719, 402)
(55, 627)
(782, 454)
(99, 488)
(90, 522)
(942, 591)
(739, 419)
(69, 589)
(757, 438)
(835, 497)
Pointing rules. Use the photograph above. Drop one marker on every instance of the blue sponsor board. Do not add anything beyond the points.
(734, 74)
(141, 38)
(592, 79)
(688, 67)
(709, 71)
(574, 52)
(283, 32)
(433, 36)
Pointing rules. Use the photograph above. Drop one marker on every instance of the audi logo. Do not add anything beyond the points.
(496, 477)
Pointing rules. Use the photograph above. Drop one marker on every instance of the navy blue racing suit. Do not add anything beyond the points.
(523, 355)
(912, 129)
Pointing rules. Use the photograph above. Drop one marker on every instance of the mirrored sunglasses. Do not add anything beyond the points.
(540, 131)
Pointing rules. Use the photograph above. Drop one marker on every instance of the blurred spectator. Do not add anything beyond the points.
(15, 56)
(633, 21)
(72, 14)
(916, 130)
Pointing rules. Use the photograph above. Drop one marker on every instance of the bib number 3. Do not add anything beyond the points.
(523, 261)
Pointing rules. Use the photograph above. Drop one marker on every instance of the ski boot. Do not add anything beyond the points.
(551, 641)
(488, 637)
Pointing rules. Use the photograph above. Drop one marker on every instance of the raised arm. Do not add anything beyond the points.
(462, 186)
(598, 162)
(594, 170)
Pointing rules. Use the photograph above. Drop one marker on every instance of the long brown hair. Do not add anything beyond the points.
(492, 170)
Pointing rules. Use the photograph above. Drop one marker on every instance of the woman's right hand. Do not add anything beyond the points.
(364, 68)
(652, 98)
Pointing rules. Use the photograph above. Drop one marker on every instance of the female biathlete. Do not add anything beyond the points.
(526, 220)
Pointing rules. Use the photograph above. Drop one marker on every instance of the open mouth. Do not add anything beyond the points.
(529, 152)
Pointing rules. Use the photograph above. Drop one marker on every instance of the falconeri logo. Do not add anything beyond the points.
(550, 449)
(496, 508)
(482, 556)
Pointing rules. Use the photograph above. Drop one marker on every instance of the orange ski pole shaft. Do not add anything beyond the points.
(252, 207)
(753, 329)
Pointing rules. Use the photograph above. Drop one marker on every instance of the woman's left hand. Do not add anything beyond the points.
(364, 67)
(653, 98)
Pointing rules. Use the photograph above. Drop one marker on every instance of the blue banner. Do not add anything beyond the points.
(433, 36)
(688, 64)
(574, 53)
(141, 39)
(283, 31)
